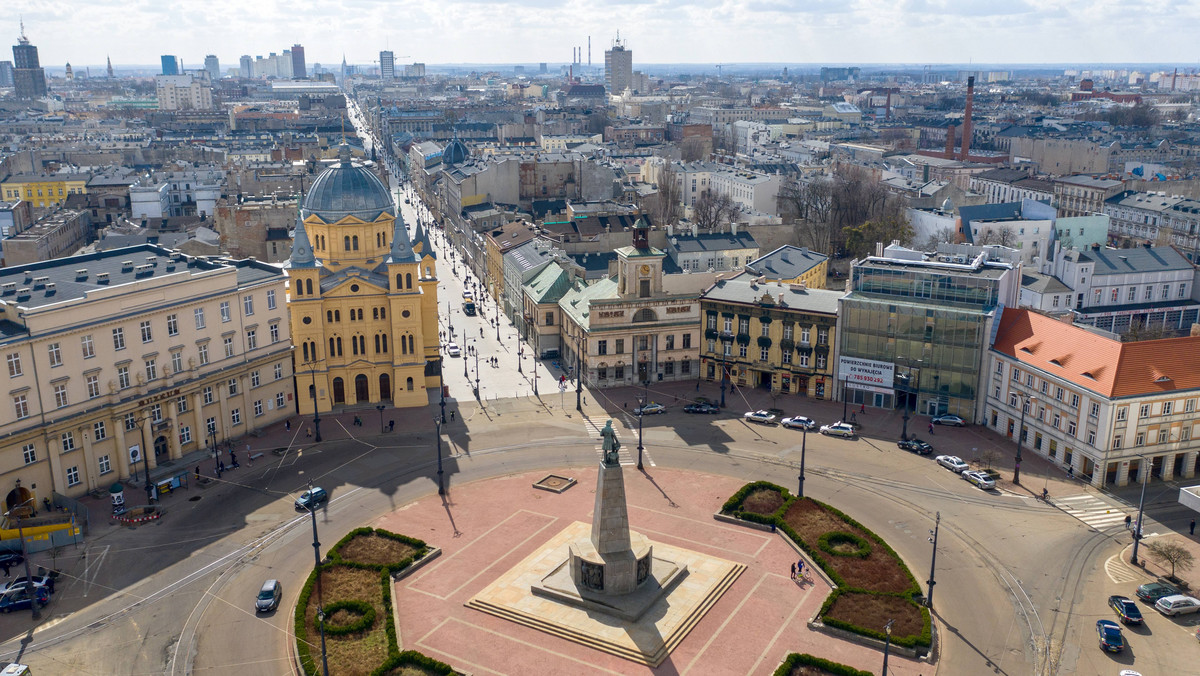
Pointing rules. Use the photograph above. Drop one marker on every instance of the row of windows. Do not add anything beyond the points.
(618, 372)
(644, 343)
(1131, 294)
(803, 360)
(356, 314)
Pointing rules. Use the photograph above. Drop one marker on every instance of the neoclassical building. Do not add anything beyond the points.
(363, 297)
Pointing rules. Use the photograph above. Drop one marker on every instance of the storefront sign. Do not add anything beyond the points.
(159, 397)
(679, 310)
(608, 314)
(866, 372)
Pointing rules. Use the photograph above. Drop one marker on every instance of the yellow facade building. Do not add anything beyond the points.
(362, 297)
(43, 191)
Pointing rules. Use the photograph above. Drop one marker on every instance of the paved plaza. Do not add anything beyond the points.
(486, 528)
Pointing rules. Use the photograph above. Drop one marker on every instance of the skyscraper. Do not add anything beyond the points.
(6, 73)
(29, 78)
(618, 67)
(170, 65)
(245, 65)
(213, 66)
(299, 70)
(387, 65)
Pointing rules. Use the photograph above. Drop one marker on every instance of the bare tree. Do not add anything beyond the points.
(711, 210)
(1138, 331)
(1173, 553)
(694, 148)
(939, 236)
(666, 209)
(1003, 235)
(808, 205)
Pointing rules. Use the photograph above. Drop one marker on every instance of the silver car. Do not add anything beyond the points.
(979, 479)
(1177, 604)
(799, 422)
(764, 417)
(953, 463)
(838, 429)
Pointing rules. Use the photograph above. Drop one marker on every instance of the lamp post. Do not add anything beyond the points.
(441, 486)
(578, 376)
(933, 562)
(443, 389)
(380, 407)
(725, 341)
(1025, 406)
(845, 394)
(887, 644)
(316, 407)
(145, 459)
(1137, 526)
(910, 390)
(520, 354)
(642, 401)
(312, 510)
(803, 448)
(33, 602)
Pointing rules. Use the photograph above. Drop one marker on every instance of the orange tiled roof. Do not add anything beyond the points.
(1090, 360)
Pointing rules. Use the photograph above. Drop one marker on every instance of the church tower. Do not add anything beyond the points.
(363, 313)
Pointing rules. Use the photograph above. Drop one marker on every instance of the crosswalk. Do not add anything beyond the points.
(1093, 510)
(628, 451)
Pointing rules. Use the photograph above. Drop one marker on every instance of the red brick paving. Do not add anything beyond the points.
(760, 619)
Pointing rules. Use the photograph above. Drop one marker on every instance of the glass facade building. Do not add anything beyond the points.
(931, 320)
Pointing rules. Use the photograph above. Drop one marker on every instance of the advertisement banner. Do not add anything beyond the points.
(859, 372)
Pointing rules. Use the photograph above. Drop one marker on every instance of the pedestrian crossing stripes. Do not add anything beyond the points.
(628, 451)
(1118, 571)
(1093, 510)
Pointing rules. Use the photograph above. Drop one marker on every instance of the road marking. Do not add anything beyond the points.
(1092, 510)
(1118, 571)
(625, 453)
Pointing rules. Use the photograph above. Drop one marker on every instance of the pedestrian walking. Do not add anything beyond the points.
(931, 428)
(1128, 520)
(793, 571)
(6, 573)
(197, 472)
(863, 408)
(451, 416)
(233, 463)
(1192, 527)
(308, 432)
(220, 465)
(800, 569)
(287, 424)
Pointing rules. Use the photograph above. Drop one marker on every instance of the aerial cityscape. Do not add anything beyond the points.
(491, 345)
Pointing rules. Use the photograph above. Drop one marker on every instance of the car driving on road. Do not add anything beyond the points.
(701, 408)
(947, 419)
(452, 350)
(915, 445)
(799, 422)
(650, 409)
(762, 417)
(953, 463)
(838, 429)
(1127, 611)
(1110, 636)
(311, 499)
(979, 479)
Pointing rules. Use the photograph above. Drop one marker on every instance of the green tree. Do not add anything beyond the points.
(861, 239)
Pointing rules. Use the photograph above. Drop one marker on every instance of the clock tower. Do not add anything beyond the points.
(639, 267)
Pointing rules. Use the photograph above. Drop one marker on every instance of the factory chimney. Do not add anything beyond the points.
(966, 128)
(950, 142)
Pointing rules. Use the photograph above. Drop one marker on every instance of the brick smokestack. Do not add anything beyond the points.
(966, 127)
(950, 142)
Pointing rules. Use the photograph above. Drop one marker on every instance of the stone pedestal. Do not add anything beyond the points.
(613, 573)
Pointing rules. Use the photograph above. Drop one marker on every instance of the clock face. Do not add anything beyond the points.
(645, 269)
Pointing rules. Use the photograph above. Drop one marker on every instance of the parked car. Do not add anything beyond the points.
(915, 445)
(38, 581)
(799, 422)
(650, 409)
(268, 596)
(311, 499)
(979, 479)
(1177, 604)
(948, 419)
(953, 463)
(764, 417)
(1127, 611)
(1111, 639)
(990, 473)
(701, 408)
(838, 429)
(452, 350)
(1153, 591)
(20, 599)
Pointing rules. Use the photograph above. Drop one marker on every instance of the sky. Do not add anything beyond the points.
(657, 31)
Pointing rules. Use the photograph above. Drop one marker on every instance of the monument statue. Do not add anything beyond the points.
(611, 445)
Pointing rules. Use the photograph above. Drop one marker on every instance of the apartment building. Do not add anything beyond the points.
(136, 355)
(1112, 413)
(1083, 195)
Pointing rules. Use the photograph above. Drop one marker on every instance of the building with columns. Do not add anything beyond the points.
(362, 297)
(1107, 410)
(111, 353)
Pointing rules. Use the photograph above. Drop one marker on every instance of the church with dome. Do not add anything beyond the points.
(362, 297)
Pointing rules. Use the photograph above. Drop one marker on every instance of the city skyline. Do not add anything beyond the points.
(658, 32)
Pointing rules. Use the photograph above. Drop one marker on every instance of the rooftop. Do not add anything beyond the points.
(745, 289)
(1138, 259)
(786, 262)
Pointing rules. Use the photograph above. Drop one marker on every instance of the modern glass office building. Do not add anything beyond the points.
(915, 327)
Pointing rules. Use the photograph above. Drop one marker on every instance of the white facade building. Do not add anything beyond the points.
(182, 92)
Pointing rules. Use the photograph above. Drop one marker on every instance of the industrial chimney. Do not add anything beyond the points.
(950, 142)
(966, 128)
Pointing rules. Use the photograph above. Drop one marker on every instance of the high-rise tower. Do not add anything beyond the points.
(29, 78)
(387, 65)
(299, 69)
(618, 67)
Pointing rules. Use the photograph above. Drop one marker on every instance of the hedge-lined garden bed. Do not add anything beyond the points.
(803, 664)
(360, 631)
(873, 584)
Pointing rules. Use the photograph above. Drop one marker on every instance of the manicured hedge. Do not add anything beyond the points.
(396, 658)
(366, 617)
(795, 660)
(829, 540)
(732, 507)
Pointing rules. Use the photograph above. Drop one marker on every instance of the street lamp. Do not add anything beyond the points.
(1025, 406)
(578, 375)
(380, 408)
(33, 602)
(909, 387)
(316, 407)
(1137, 527)
(443, 389)
(642, 401)
(441, 486)
(803, 448)
(145, 458)
(845, 394)
(933, 562)
(726, 339)
(312, 510)
(887, 644)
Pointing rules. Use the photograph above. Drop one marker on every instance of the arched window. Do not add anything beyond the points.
(337, 315)
(306, 352)
(339, 346)
(374, 313)
(385, 343)
(411, 349)
(353, 345)
(360, 314)
(355, 239)
(299, 287)
(645, 315)
(332, 346)
(383, 313)
(403, 346)
(409, 383)
(398, 286)
(308, 287)
(347, 241)
(329, 316)
(377, 350)
(408, 279)
(428, 273)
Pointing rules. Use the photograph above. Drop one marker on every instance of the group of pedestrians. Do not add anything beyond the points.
(798, 573)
